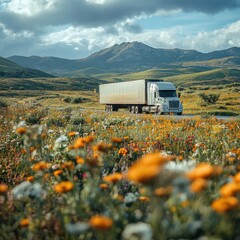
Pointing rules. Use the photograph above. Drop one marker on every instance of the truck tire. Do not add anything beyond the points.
(138, 109)
(132, 109)
(159, 111)
(180, 113)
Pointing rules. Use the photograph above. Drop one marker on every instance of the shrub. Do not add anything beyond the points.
(209, 98)
(67, 99)
(3, 104)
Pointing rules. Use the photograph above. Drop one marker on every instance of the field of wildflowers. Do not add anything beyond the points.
(69, 174)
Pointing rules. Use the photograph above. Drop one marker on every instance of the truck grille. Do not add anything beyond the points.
(173, 104)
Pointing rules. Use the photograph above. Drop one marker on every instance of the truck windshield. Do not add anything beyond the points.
(167, 93)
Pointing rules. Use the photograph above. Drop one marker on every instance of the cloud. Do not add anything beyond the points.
(30, 14)
(77, 28)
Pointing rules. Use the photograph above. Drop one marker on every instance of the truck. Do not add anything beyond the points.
(144, 95)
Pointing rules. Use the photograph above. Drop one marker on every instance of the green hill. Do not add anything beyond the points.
(9, 69)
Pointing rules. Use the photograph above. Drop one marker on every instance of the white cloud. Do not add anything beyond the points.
(29, 7)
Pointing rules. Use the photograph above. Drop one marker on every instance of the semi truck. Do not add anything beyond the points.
(144, 95)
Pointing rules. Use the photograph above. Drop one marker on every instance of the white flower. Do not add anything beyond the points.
(142, 231)
(28, 189)
(181, 166)
(76, 228)
(130, 198)
(61, 142)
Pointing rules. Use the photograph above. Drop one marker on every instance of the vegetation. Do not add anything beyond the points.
(209, 98)
(70, 174)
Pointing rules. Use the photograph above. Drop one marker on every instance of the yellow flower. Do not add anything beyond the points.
(63, 187)
(100, 222)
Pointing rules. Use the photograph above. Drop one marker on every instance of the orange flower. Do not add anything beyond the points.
(102, 147)
(113, 178)
(103, 186)
(198, 185)
(30, 179)
(3, 188)
(40, 166)
(230, 189)
(237, 178)
(63, 187)
(163, 192)
(21, 130)
(122, 151)
(144, 199)
(68, 165)
(100, 222)
(79, 143)
(116, 140)
(142, 174)
(225, 204)
(147, 168)
(80, 160)
(24, 222)
(72, 134)
(88, 139)
(57, 172)
(203, 170)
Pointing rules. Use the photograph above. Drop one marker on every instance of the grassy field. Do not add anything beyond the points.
(228, 103)
(69, 174)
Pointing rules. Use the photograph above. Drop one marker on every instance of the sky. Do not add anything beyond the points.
(75, 29)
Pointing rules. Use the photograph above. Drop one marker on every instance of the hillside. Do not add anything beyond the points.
(54, 84)
(130, 57)
(9, 69)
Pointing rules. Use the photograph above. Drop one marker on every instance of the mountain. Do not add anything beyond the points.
(130, 57)
(13, 70)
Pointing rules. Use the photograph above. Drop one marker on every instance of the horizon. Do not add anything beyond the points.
(51, 56)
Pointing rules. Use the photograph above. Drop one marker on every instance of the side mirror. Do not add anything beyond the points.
(179, 94)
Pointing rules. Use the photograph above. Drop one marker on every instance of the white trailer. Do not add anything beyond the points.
(145, 95)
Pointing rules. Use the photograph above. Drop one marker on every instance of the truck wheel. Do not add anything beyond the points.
(159, 111)
(180, 113)
(132, 109)
(136, 110)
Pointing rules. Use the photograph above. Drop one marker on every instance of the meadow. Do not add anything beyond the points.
(68, 174)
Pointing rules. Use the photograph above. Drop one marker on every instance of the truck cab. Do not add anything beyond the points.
(164, 97)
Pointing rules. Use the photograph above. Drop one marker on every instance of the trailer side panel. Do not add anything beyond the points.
(132, 92)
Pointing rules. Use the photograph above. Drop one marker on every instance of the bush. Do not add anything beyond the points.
(3, 104)
(209, 98)
(67, 99)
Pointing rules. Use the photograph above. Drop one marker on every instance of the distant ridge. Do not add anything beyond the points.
(9, 69)
(128, 57)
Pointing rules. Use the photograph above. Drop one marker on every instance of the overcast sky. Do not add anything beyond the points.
(76, 28)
